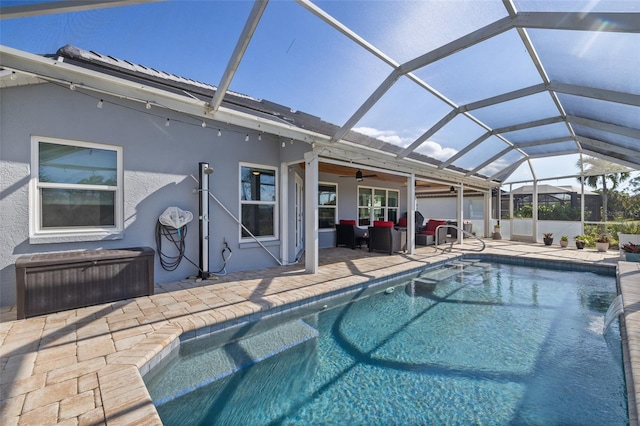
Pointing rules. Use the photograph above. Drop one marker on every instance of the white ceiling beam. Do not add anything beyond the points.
(626, 22)
(594, 93)
(464, 150)
(544, 142)
(631, 165)
(462, 43)
(426, 135)
(238, 52)
(505, 97)
(508, 171)
(66, 6)
(634, 153)
(607, 127)
(490, 160)
(528, 125)
(367, 105)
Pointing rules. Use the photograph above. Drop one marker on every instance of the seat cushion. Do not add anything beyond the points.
(383, 223)
(432, 224)
(402, 222)
(347, 222)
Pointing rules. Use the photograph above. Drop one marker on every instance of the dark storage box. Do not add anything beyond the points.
(55, 282)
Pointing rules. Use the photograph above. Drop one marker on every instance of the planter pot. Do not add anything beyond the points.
(632, 257)
(579, 245)
(564, 243)
(602, 246)
(547, 241)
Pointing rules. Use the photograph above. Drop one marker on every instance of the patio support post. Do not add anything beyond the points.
(284, 212)
(534, 213)
(411, 214)
(487, 212)
(311, 212)
(460, 212)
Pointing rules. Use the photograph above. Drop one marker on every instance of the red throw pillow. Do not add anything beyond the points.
(402, 222)
(383, 223)
(347, 222)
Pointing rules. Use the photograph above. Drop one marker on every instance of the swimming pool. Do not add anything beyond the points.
(468, 343)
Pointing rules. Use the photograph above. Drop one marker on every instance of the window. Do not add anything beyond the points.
(258, 201)
(377, 204)
(327, 205)
(76, 188)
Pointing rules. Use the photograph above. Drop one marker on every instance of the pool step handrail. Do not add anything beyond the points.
(452, 240)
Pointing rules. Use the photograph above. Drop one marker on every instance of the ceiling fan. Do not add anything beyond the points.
(360, 177)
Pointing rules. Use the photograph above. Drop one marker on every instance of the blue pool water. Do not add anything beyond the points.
(465, 344)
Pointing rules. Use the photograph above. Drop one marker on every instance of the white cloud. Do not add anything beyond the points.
(435, 150)
(389, 136)
(430, 148)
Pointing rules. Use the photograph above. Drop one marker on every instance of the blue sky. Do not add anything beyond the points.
(296, 60)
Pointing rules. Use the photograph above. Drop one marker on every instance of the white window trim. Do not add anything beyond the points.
(37, 235)
(276, 204)
(335, 208)
(371, 206)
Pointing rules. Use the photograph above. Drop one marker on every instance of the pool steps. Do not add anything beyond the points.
(199, 368)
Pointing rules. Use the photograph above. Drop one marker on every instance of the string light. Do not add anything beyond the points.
(148, 105)
(166, 123)
(72, 86)
(99, 103)
(246, 138)
(219, 133)
(283, 144)
(260, 137)
(204, 124)
(14, 76)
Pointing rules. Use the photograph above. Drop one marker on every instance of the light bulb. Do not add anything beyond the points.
(219, 132)
(204, 124)
(14, 76)
(166, 123)
(246, 138)
(260, 137)
(148, 105)
(72, 86)
(99, 103)
(283, 144)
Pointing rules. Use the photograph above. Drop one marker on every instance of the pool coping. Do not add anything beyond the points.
(113, 377)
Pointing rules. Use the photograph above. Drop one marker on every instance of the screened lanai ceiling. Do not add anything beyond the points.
(483, 88)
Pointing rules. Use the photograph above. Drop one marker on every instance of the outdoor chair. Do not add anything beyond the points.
(427, 236)
(383, 237)
(348, 234)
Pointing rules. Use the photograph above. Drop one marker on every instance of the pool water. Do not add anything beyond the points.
(469, 343)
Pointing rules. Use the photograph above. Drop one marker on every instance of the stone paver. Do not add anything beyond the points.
(82, 366)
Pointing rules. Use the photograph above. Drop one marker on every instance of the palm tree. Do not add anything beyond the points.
(598, 172)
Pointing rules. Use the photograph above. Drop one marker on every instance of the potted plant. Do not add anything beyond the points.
(547, 238)
(631, 252)
(602, 242)
(564, 241)
(580, 241)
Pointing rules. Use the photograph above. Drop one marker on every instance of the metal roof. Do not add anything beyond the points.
(491, 85)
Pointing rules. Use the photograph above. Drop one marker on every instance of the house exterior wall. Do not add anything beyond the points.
(158, 164)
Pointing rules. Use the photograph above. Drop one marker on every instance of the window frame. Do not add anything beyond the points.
(39, 234)
(372, 207)
(334, 207)
(275, 203)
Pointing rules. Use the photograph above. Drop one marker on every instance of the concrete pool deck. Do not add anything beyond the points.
(82, 366)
